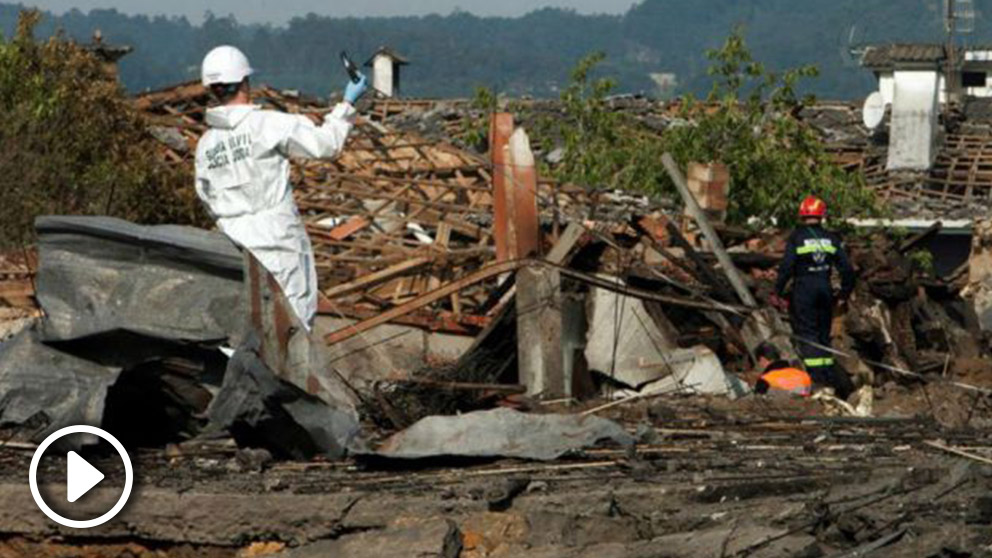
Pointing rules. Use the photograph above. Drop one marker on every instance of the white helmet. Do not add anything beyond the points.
(225, 64)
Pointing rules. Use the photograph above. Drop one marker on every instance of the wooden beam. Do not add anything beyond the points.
(348, 228)
(421, 301)
(381, 195)
(380, 276)
(16, 288)
(736, 280)
(502, 388)
(496, 269)
(566, 242)
(442, 321)
(441, 239)
(917, 239)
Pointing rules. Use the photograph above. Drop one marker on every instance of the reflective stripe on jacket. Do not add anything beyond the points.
(818, 362)
(811, 254)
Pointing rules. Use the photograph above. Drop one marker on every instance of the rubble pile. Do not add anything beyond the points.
(958, 185)
(754, 479)
(916, 323)
(397, 215)
(503, 362)
(404, 228)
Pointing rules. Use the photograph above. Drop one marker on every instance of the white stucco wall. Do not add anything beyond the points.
(974, 61)
(382, 75)
(887, 87)
(913, 132)
(978, 56)
(979, 61)
(980, 91)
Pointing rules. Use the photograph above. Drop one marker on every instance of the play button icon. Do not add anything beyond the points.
(80, 476)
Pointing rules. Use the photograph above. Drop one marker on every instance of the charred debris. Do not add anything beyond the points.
(455, 283)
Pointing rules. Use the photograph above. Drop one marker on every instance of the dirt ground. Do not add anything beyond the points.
(710, 477)
(17, 547)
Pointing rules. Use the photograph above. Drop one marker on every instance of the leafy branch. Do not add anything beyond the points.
(749, 122)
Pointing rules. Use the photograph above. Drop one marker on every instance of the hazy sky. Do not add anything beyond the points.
(280, 11)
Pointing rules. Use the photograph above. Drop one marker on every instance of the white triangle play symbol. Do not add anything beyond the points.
(80, 476)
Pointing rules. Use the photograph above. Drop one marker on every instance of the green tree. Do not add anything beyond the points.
(602, 147)
(749, 123)
(71, 142)
(475, 128)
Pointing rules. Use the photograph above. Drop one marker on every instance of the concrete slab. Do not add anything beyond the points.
(695, 370)
(623, 340)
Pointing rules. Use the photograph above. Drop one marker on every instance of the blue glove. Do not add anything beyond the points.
(353, 91)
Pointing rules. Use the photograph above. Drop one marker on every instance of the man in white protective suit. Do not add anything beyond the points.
(242, 172)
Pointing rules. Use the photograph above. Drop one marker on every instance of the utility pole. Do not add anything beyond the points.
(950, 74)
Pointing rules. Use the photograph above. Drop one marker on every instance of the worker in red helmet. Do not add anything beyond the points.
(811, 254)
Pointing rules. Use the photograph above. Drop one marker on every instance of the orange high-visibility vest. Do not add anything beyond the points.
(792, 380)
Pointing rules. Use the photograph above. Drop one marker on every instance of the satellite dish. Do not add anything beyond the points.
(874, 110)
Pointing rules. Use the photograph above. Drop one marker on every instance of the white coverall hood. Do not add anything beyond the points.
(242, 174)
(228, 117)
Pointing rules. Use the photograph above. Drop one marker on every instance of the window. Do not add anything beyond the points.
(973, 79)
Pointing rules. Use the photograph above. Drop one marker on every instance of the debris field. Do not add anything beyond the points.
(504, 365)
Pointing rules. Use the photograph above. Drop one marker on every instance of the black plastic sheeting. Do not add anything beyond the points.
(120, 300)
(260, 410)
(134, 316)
(44, 389)
(99, 274)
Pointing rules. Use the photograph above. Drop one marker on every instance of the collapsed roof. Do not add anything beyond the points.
(885, 57)
(957, 186)
(395, 216)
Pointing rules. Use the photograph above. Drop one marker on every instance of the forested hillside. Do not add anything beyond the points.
(453, 54)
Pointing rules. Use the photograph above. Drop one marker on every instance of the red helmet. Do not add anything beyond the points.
(812, 207)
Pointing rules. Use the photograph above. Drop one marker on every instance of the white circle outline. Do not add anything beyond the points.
(33, 477)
